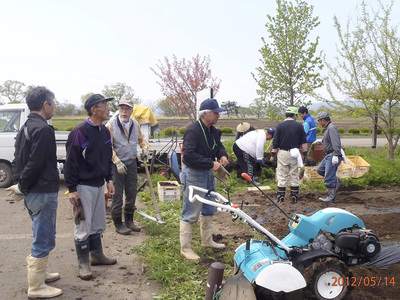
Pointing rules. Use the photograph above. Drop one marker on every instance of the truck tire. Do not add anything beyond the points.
(5, 175)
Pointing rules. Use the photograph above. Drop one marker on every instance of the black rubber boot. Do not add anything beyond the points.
(129, 222)
(82, 251)
(119, 226)
(280, 195)
(294, 194)
(96, 252)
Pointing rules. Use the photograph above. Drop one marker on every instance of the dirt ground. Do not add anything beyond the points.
(122, 281)
(379, 209)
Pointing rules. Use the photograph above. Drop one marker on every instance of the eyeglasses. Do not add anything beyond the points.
(102, 106)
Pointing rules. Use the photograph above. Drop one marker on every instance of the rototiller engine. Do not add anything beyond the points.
(314, 256)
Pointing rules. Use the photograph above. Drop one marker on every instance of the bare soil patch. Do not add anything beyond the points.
(379, 209)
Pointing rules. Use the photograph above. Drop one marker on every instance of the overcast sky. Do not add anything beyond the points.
(75, 46)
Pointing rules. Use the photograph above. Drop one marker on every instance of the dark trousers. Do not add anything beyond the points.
(127, 183)
(246, 161)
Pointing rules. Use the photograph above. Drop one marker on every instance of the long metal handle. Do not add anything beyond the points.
(153, 196)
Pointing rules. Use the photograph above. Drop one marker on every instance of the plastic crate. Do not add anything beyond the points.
(169, 190)
(345, 170)
(310, 174)
(360, 166)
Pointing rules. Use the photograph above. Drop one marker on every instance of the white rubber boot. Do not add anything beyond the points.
(50, 277)
(186, 241)
(36, 279)
(206, 233)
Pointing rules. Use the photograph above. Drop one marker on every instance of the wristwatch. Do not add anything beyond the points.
(109, 181)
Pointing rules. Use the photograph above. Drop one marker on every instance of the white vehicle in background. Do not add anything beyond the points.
(12, 117)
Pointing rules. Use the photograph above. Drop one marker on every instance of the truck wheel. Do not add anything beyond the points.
(326, 279)
(5, 175)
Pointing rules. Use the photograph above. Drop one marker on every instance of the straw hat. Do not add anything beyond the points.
(243, 127)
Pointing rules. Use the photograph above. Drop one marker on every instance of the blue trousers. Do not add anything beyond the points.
(200, 178)
(42, 208)
(328, 170)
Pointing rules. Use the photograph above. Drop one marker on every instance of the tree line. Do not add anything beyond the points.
(366, 73)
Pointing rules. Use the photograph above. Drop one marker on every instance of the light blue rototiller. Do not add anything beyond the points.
(314, 256)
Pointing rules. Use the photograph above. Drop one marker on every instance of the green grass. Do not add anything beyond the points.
(65, 124)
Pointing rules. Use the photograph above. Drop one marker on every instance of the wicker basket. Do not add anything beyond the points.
(360, 166)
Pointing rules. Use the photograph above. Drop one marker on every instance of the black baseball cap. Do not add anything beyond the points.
(94, 99)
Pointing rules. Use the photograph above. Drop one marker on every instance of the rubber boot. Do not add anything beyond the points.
(96, 252)
(36, 279)
(185, 238)
(339, 184)
(294, 194)
(50, 277)
(280, 195)
(206, 229)
(331, 195)
(82, 251)
(129, 222)
(119, 226)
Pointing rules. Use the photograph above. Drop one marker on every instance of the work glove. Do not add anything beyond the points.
(319, 141)
(79, 214)
(121, 168)
(144, 155)
(273, 157)
(305, 156)
(335, 160)
(15, 193)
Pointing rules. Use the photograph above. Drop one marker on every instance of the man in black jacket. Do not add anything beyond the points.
(201, 147)
(87, 166)
(35, 171)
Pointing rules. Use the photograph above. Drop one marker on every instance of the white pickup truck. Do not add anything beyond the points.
(12, 117)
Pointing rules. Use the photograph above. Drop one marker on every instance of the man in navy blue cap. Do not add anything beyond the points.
(87, 167)
(203, 154)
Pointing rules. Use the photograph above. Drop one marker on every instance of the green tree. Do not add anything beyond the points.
(290, 67)
(257, 108)
(117, 91)
(169, 109)
(180, 80)
(13, 90)
(244, 111)
(65, 109)
(368, 70)
(231, 107)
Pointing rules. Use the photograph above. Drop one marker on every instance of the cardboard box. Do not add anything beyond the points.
(169, 190)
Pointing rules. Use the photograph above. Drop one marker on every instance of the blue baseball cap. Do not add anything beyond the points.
(211, 104)
(271, 131)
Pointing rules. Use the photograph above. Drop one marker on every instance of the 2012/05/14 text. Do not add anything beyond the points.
(363, 281)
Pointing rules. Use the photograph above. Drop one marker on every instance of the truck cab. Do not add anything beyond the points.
(12, 117)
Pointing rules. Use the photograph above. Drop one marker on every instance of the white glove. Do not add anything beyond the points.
(121, 168)
(14, 189)
(319, 141)
(335, 160)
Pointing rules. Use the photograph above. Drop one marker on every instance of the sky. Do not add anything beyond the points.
(75, 47)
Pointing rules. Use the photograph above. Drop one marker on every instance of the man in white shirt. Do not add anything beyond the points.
(250, 148)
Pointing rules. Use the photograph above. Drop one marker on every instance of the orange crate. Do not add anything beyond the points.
(360, 166)
(310, 174)
(345, 170)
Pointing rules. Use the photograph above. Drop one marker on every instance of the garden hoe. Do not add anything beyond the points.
(153, 197)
